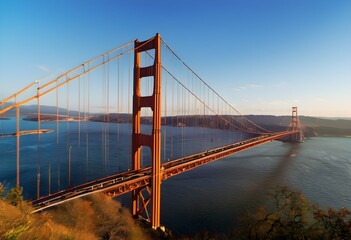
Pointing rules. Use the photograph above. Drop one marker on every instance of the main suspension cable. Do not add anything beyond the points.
(190, 69)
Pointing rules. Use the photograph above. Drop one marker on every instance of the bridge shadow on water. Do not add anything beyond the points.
(92, 142)
(251, 185)
(257, 193)
(212, 197)
(275, 176)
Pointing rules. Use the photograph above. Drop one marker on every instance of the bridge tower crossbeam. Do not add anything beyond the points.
(139, 139)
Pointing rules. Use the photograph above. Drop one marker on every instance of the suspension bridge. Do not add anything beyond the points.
(97, 128)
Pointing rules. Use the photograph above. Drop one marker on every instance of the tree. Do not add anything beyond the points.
(332, 224)
(285, 217)
(15, 197)
(289, 215)
(1, 189)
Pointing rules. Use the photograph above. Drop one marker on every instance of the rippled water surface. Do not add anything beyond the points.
(208, 198)
(211, 197)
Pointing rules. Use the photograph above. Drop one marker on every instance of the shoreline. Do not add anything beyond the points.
(27, 132)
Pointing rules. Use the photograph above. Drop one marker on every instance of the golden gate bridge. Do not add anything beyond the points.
(173, 124)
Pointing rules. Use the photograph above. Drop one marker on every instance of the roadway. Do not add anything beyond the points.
(122, 183)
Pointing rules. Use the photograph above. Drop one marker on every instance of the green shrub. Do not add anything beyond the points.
(15, 197)
(289, 215)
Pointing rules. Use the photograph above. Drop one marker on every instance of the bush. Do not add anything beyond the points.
(100, 216)
(1, 189)
(289, 215)
(15, 197)
(332, 224)
(13, 222)
(94, 217)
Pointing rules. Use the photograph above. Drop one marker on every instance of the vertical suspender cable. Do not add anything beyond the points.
(67, 137)
(104, 102)
(79, 116)
(78, 156)
(182, 109)
(57, 139)
(38, 163)
(17, 144)
(117, 110)
(84, 118)
(164, 85)
(108, 112)
(118, 100)
(172, 118)
(129, 113)
(103, 114)
(87, 122)
(2, 122)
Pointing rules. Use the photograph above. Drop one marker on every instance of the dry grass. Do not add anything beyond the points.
(95, 217)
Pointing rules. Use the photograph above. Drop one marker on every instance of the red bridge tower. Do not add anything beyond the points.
(295, 126)
(153, 141)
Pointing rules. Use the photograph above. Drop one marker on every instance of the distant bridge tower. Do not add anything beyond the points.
(295, 126)
(153, 141)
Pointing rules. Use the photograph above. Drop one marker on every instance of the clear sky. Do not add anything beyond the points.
(262, 56)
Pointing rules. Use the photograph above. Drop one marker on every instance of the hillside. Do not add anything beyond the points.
(31, 109)
(313, 126)
(93, 217)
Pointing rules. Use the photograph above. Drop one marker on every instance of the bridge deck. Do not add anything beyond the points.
(122, 183)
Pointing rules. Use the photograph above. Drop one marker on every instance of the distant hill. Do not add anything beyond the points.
(31, 109)
(328, 127)
(319, 122)
(313, 126)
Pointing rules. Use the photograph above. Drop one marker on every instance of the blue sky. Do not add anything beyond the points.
(262, 56)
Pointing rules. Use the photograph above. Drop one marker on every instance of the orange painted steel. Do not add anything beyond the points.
(135, 180)
(18, 132)
(178, 166)
(113, 186)
(68, 79)
(153, 141)
(139, 179)
(295, 126)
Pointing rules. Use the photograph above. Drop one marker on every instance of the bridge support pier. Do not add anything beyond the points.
(153, 141)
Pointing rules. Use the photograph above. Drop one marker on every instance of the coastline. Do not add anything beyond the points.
(27, 132)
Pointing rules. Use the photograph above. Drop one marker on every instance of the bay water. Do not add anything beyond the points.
(209, 198)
